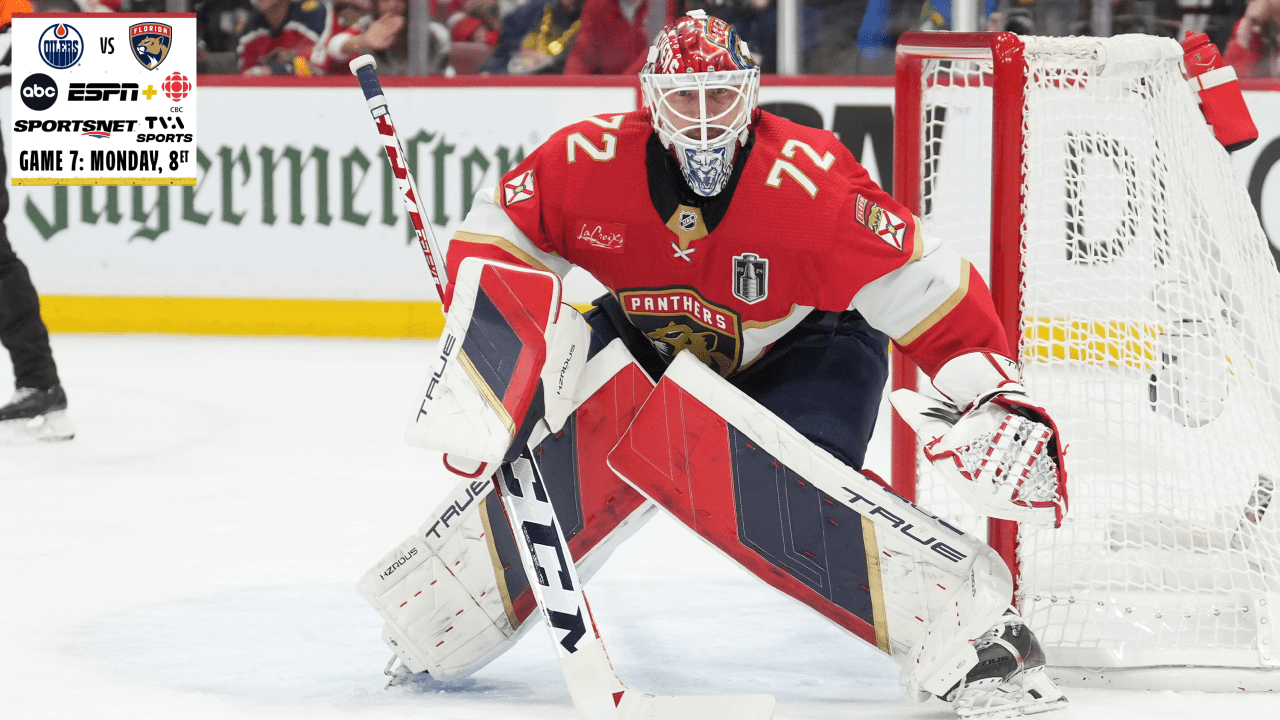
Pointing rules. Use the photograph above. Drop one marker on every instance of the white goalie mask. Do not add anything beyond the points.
(701, 89)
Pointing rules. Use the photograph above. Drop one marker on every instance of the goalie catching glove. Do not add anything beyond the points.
(997, 448)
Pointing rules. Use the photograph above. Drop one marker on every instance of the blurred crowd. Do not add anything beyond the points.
(610, 37)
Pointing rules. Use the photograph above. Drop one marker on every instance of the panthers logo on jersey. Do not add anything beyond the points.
(150, 43)
(678, 318)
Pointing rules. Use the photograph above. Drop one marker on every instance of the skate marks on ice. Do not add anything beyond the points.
(320, 646)
(308, 645)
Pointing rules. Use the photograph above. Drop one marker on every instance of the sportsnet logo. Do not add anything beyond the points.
(889, 227)
(61, 46)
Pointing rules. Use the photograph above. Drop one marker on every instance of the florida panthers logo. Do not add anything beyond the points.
(677, 336)
(150, 43)
(706, 171)
(678, 319)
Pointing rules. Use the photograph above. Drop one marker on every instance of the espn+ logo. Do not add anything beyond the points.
(39, 92)
(61, 46)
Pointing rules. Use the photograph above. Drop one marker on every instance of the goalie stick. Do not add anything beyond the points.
(597, 692)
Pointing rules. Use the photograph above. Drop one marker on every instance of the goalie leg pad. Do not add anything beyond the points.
(455, 596)
(510, 355)
(812, 527)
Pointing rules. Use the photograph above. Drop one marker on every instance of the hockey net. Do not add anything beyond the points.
(1133, 275)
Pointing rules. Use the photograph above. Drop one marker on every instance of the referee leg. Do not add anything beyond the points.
(22, 332)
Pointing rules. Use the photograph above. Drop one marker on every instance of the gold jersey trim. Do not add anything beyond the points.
(917, 241)
(758, 324)
(504, 244)
(943, 310)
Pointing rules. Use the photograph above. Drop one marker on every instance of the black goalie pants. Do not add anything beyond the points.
(22, 332)
(825, 378)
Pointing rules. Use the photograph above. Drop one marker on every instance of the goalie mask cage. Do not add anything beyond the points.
(1135, 281)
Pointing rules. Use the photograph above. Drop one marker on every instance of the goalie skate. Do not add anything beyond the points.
(1009, 679)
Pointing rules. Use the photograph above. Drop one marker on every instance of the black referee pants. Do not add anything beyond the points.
(22, 332)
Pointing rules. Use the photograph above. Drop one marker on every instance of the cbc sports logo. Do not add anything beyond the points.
(61, 46)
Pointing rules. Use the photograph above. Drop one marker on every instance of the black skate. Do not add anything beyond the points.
(1009, 679)
(34, 414)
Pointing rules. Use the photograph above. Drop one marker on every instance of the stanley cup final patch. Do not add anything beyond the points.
(750, 278)
(518, 189)
(887, 226)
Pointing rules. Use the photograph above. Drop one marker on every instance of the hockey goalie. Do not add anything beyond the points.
(731, 377)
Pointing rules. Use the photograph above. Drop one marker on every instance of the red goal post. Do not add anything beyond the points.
(1004, 50)
(1140, 296)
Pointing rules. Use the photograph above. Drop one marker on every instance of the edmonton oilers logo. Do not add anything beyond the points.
(61, 46)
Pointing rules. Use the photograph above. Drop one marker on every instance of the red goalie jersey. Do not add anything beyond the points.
(800, 227)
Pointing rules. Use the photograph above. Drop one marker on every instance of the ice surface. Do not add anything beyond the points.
(193, 552)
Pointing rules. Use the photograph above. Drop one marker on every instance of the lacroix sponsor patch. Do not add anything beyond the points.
(599, 235)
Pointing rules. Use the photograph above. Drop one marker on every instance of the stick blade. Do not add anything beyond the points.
(642, 706)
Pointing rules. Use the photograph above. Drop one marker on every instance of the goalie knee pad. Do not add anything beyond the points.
(454, 596)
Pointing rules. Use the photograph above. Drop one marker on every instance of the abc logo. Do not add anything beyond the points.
(39, 92)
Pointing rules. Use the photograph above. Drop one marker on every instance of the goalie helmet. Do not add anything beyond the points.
(701, 88)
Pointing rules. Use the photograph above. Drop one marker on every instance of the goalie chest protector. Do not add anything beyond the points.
(805, 229)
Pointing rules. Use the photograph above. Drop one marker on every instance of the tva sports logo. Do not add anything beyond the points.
(150, 43)
(61, 46)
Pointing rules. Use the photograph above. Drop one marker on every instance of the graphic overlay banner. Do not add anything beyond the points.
(104, 99)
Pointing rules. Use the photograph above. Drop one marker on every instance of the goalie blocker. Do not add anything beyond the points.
(509, 357)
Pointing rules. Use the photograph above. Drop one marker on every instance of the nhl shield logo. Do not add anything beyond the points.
(688, 221)
(750, 278)
(150, 43)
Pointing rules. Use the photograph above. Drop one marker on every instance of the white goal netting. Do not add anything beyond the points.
(1151, 331)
